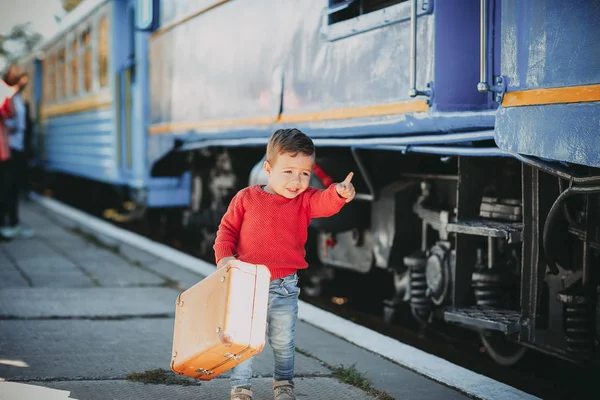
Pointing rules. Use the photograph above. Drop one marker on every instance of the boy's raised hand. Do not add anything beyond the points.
(346, 188)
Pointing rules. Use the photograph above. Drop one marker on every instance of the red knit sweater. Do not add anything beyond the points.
(6, 111)
(269, 229)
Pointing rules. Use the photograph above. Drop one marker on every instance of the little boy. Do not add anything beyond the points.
(269, 225)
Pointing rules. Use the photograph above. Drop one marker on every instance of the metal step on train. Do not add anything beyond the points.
(486, 314)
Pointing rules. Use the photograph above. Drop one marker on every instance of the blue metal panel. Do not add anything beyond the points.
(169, 192)
(82, 144)
(365, 69)
(37, 89)
(550, 43)
(121, 35)
(222, 64)
(75, 167)
(565, 132)
(173, 10)
(457, 56)
(237, 73)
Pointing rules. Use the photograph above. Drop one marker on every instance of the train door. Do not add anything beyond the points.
(125, 89)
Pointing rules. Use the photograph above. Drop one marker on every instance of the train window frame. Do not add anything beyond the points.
(103, 74)
(74, 64)
(94, 48)
(400, 12)
(62, 89)
(45, 75)
(85, 33)
(50, 92)
(55, 73)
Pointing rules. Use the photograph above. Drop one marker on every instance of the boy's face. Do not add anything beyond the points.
(288, 176)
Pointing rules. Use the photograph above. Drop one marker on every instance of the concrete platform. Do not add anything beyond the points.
(80, 313)
(306, 388)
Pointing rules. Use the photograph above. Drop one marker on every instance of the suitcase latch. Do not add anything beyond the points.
(232, 356)
(205, 371)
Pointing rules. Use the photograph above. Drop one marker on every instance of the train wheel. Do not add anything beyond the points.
(501, 350)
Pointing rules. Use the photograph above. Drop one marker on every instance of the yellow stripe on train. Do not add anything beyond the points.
(404, 107)
(569, 94)
(96, 101)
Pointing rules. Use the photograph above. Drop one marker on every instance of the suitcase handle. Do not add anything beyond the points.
(229, 266)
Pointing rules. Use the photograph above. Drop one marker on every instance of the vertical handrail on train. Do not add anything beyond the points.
(127, 111)
(483, 85)
(118, 120)
(413, 91)
(363, 170)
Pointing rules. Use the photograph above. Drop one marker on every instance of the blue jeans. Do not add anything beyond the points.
(281, 332)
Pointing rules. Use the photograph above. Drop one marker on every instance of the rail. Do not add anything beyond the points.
(413, 91)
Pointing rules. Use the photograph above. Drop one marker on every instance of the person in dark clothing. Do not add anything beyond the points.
(27, 152)
(6, 111)
(16, 163)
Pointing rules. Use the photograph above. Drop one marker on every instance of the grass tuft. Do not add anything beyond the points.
(159, 376)
(351, 376)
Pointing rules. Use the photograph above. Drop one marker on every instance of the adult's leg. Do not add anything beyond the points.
(3, 196)
(15, 178)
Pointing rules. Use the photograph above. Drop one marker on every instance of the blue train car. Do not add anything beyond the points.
(472, 127)
(91, 109)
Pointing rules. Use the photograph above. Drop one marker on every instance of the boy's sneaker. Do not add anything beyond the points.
(284, 390)
(241, 393)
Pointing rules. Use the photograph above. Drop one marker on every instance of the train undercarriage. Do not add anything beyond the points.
(491, 244)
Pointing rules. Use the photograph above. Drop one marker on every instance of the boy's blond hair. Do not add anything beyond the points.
(290, 141)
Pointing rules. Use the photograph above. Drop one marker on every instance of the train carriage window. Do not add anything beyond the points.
(86, 42)
(56, 76)
(74, 67)
(61, 72)
(103, 51)
(342, 10)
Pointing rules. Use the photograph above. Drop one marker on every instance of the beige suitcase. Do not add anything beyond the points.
(231, 301)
